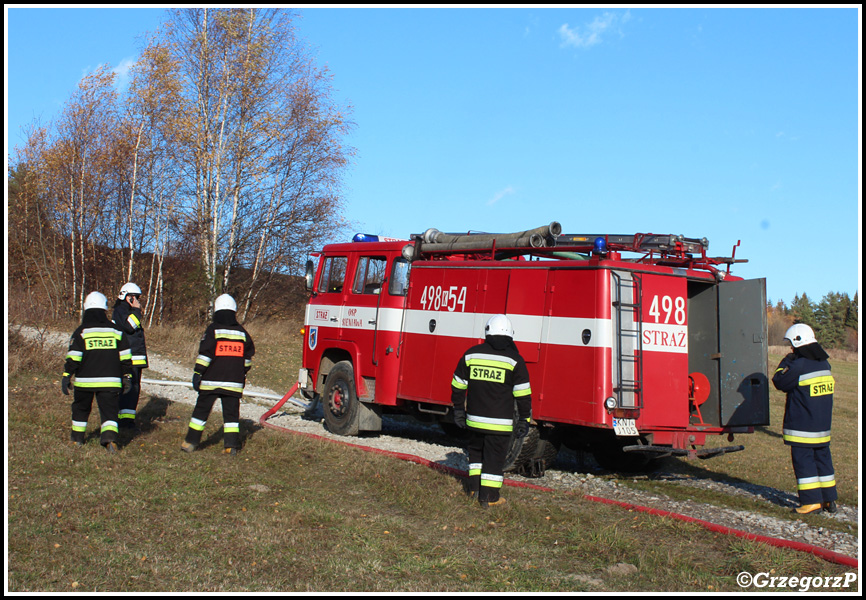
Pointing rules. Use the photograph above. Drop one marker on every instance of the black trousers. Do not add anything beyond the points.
(82, 403)
(487, 452)
(231, 419)
(129, 400)
(813, 468)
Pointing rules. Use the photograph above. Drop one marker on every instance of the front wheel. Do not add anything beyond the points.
(340, 403)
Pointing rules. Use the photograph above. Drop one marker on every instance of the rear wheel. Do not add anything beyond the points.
(340, 403)
(521, 450)
(536, 454)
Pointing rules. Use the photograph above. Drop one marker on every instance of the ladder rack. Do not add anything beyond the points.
(629, 341)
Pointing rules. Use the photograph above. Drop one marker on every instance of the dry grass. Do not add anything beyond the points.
(292, 514)
(835, 353)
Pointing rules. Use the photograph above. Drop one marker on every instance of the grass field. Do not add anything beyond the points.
(767, 461)
(294, 514)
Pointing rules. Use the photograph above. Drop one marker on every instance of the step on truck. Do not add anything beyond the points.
(638, 346)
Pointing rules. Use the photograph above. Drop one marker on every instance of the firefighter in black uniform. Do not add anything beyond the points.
(127, 317)
(490, 378)
(804, 375)
(100, 362)
(224, 357)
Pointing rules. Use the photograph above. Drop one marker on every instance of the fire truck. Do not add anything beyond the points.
(638, 346)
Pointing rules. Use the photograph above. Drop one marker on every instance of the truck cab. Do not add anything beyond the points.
(352, 322)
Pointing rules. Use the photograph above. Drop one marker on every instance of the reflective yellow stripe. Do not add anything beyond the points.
(481, 362)
(806, 440)
(820, 386)
(488, 426)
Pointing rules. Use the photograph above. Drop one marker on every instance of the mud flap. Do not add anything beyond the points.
(369, 417)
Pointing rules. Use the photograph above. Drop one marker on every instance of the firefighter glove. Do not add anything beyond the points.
(64, 385)
(127, 384)
(196, 381)
(460, 417)
(521, 429)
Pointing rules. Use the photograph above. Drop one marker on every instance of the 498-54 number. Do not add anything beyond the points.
(436, 297)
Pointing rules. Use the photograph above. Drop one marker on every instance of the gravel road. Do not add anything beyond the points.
(572, 472)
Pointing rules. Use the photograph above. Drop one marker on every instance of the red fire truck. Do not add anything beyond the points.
(638, 346)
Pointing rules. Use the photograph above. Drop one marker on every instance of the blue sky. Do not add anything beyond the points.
(730, 124)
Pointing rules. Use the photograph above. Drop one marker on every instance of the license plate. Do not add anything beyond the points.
(624, 427)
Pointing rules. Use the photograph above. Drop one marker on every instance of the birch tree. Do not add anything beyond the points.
(154, 109)
(262, 142)
(81, 157)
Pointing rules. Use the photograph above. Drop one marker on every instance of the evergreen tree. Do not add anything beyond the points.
(830, 317)
(852, 315)
(803, 310)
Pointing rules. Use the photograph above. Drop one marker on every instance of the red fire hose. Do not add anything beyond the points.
(828, 555)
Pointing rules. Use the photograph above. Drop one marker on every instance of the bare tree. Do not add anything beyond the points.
(264, 140)
(81, 158)
(228, 147)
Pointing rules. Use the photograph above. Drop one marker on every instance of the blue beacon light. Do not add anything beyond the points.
(600, 246)
(365, 237)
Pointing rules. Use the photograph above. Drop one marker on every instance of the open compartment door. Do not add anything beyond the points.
(744, 386)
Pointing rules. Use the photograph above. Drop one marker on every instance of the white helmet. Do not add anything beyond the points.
(129, 288)
(499, 325)
(225, 302)
(95, 300)
(800, 335)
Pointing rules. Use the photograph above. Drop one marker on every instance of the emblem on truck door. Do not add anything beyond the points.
(314, 337)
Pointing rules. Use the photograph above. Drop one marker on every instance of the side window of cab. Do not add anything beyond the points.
(333, 275)
(399, 283)
(370, 275)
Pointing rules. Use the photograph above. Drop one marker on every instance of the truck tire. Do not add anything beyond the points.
(340, 403)
(521, 451)
(537, 453)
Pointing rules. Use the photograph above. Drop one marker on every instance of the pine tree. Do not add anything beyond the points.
(830, 316)
(803, 310)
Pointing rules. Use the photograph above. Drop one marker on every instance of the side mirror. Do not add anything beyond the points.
(309, 274)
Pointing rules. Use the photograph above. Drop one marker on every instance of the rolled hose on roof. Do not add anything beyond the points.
(434, 240)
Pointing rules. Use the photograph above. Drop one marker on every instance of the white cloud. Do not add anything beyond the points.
(122, 71)
(592, 33)
(500, 195)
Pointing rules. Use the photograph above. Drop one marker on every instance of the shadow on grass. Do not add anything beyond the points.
(681, 472)
(686, 473)
(248, 428)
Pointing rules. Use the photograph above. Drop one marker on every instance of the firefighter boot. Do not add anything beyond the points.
(111, 448)
(187, 447)
(231, 451)
(830, 506)
(499, 502)
(808, 509)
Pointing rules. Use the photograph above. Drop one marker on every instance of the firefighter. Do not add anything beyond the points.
(489, 379)
(224, 357)
(804, 375)
(127, 317)
(100, 361)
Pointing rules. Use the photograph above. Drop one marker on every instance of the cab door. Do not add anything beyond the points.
(360, 318)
